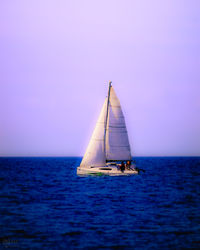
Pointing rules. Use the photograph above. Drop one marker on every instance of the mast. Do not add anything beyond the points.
(107, 115)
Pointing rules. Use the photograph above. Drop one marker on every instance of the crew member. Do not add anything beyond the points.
(128, 165)
(122, 167)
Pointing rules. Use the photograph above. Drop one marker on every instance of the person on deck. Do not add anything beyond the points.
(122, 167)
(128, 165)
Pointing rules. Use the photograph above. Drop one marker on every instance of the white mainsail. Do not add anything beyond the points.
(95, 153)
(117, 143)
(109, 141)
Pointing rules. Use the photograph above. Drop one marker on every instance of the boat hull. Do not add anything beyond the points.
(105, 171)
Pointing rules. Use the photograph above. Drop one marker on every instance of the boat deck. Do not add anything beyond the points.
(110, 170)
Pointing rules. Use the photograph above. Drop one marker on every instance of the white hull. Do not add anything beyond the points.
(111, 170)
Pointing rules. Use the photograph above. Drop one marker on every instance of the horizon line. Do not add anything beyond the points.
(62, 156)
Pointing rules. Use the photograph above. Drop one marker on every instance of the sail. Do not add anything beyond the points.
(95, 153)
(117, 143)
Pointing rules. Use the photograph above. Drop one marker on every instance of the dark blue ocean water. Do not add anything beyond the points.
(45, 205)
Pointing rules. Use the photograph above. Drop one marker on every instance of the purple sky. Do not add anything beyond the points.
(56, 58)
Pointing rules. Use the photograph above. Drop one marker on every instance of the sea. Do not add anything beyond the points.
(44, 204)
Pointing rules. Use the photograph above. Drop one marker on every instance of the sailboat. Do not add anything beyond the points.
(109, 151)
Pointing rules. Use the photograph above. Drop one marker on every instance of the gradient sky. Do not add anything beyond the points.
(56, 58)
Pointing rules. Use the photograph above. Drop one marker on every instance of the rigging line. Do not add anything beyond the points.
(107, 116)
(112, 126)
(127, 159)
(115, 106)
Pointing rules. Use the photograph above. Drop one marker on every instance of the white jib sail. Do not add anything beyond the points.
(95, 153)
(117, 143)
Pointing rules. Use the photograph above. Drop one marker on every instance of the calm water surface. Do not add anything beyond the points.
(45, 205)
